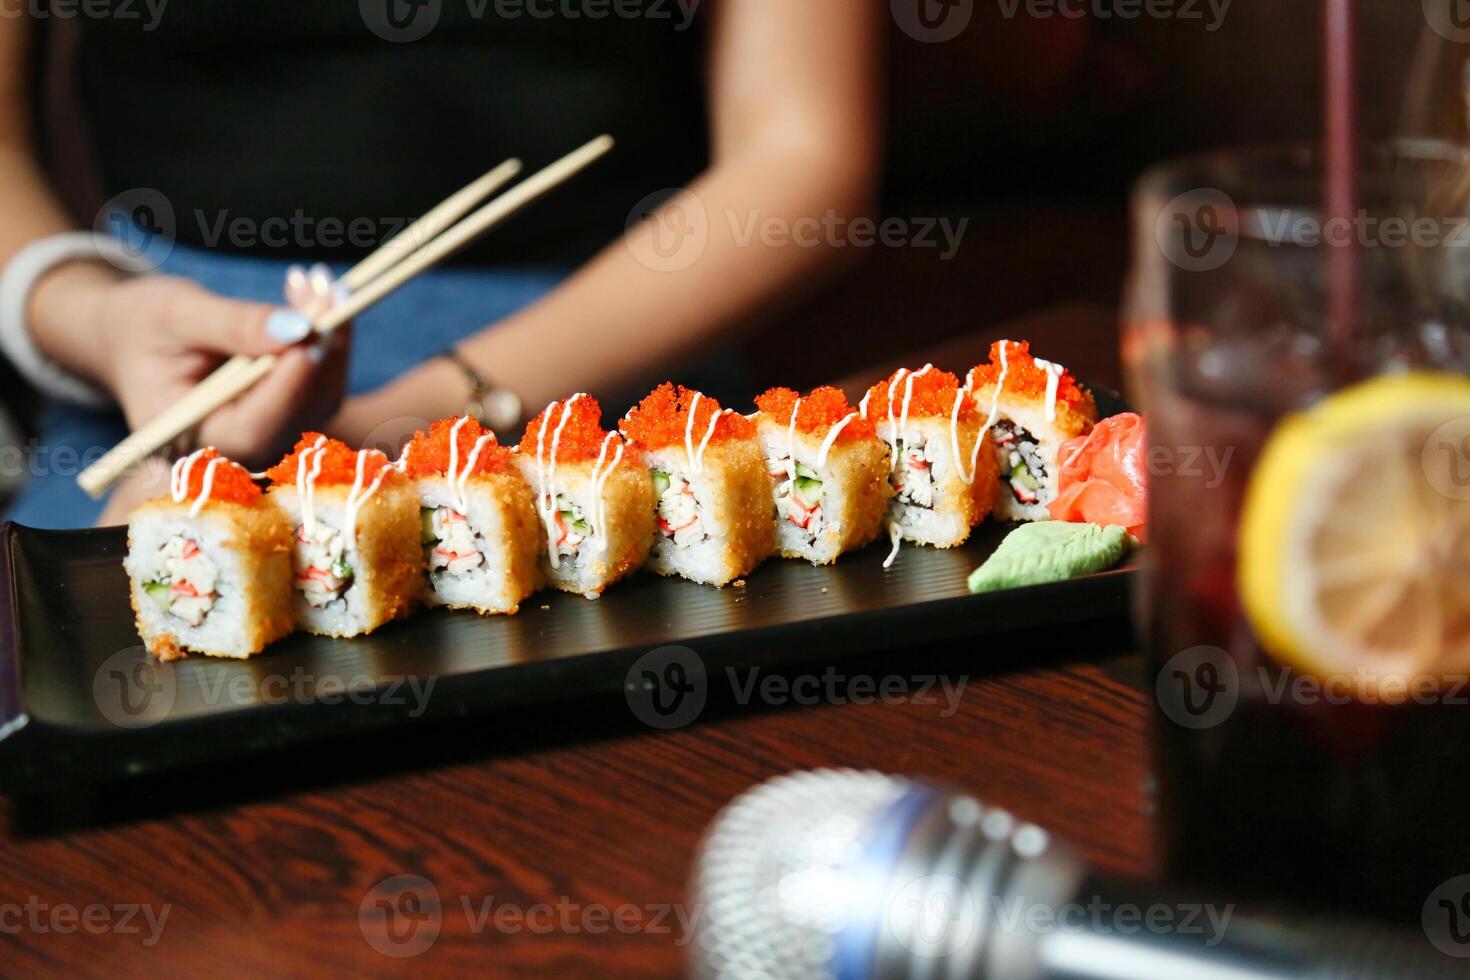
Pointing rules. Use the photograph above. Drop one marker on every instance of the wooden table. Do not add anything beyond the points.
(267, 867)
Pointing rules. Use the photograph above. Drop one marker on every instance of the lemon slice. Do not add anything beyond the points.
(1355, 535)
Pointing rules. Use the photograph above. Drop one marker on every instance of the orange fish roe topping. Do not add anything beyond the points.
(820, 410)
(231, 481)
(662, 419)
(1024, 375)
(338, 463)
(581, 437)
(934, 393)
(428, 453)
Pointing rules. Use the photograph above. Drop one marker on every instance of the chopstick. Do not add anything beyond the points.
(399, 247)
(430, 226)
(232, 379)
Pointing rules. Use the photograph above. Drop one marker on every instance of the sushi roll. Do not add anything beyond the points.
(478, 525)
(713, 509)
(355, 557)
(828, 473)
(942, 467)
(593, 497)
(210, 564)
(1030, 407)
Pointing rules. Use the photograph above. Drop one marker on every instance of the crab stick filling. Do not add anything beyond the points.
(926, 393)
(568, 433)
(797, 486)
(453, 547)
(322, 553)
(1012, 371)
(183, 582)
(325, 571)
(456, 449)
(672, 415)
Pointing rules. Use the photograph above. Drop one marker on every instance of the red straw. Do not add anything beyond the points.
(1342, 177)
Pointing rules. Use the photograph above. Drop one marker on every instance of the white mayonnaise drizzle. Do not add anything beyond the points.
(695, 458)
(709, 433)
(791, 443)
(308, 468)
(896, 537)
(207, 487)
(1000, 384)
(832, 435)
(954, 439)
(453, 470)
(546, 475)
(863, 405)
(599, 484)
(1053, 378)
(459, 479)
(356, 498)
(178, 479)
(178, 483)
(894, 435)
(460, 486)
(908, 396)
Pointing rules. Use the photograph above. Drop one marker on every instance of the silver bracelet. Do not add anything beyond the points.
(19, 281)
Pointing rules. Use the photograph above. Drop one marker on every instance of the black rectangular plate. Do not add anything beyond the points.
(81, 701)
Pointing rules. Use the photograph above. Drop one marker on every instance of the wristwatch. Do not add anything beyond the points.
(489, 403)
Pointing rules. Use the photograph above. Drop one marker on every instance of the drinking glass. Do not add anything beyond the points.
(1269, 785)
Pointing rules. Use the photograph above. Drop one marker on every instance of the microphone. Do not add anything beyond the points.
(844, 875)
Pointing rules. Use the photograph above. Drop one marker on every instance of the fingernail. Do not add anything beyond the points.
(287, 326)
(341, 291)
(317, 350)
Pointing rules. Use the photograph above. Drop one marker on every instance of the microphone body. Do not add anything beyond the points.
(842, 875)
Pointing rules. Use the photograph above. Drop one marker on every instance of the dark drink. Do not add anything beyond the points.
(1274, 781)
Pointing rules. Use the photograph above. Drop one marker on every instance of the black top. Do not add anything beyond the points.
(304, 113)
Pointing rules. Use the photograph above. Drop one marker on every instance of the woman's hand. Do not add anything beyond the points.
(149, 340)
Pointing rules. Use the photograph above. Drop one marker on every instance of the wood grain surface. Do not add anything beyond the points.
(268, 867)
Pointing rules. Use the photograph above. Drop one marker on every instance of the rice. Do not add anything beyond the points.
(382, 560)
(485, 558)
(238, 553)
(837, 509)
(596, 524)
(714, 522)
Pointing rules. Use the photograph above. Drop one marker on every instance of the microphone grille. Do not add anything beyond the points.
(769, 883)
